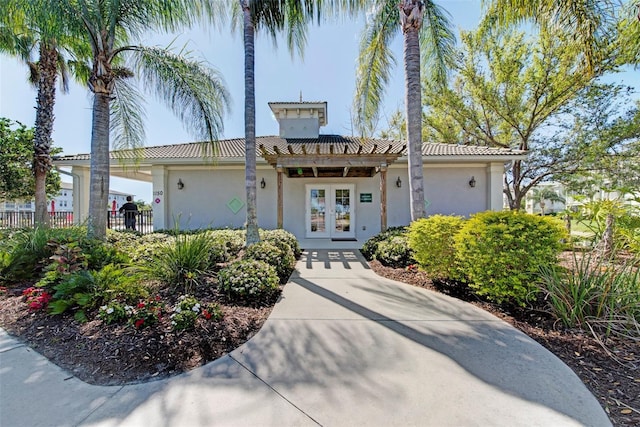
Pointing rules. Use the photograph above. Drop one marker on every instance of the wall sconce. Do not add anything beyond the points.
(180, 184)
(472, 182)
(398, 183)
(263, 183)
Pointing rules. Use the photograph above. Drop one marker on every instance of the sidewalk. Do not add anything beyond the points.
(343, 347)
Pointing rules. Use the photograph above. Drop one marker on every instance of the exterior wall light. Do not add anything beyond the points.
(263, 183)
(472, 182)
(180, 184)
(398, 182)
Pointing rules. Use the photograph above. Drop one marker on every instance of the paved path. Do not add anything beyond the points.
(343, 347)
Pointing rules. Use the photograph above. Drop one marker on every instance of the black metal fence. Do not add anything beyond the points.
(143, 221)
(115, 220)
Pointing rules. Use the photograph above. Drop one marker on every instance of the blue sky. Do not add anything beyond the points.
(327, 73)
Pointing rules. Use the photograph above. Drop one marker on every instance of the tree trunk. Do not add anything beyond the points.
(606, 245)
(43, 129)
(411, 20)
(99, 180)
(253, 235)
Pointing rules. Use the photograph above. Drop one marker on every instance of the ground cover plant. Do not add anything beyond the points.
(137, 307)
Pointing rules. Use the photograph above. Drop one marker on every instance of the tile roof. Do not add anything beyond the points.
(271, 145)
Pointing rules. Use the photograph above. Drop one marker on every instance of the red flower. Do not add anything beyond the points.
(141, 304)
(139, 323)
(206, 314)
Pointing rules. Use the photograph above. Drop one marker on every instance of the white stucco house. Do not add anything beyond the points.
(328, 190)
(62, 202)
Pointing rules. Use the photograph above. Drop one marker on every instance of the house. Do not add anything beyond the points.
(62, 202)
(328, 190)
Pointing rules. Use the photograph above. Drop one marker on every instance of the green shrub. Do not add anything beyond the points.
(122, 284)
(233, 240)
(433, 245)
(278, 256)
(501, 253)
(27, 251)
(249, 280)
(371, 246)
(182, 263)
(394, 252)
(66, 259)
(280, 235)
(594, 293)
(77, 291)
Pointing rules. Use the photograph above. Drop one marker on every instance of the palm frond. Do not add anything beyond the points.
(127, 116)
(437, 42)
(588, 22)
(375, 62)
(194, 92)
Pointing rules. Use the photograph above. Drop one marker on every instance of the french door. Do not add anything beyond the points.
(330, 211)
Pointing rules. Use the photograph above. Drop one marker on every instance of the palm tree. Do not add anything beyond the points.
(420, 22)
(28, 26)
(587, 21)
(541, 195)
(292, 17)
(194, 92)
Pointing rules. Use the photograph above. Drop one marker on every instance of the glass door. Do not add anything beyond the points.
(330, 211)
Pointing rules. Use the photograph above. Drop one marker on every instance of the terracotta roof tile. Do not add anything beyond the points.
(234, 148)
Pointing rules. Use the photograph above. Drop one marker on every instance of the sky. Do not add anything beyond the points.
(326, 73)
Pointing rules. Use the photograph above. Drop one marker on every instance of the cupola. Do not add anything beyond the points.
(299, 120)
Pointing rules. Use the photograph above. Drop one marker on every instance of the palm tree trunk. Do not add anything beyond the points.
(43, 129)
(99, 180)
(253, 235)
(413, 105)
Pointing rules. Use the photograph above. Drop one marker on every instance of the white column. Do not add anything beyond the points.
(159, 200)
(495, 175)
(81, 178)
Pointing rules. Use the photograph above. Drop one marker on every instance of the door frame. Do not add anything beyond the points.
(330, 214)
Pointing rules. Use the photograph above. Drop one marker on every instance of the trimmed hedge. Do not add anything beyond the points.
(432, 242)
(501, 253)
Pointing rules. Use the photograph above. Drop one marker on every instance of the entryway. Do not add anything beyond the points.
(330, 211)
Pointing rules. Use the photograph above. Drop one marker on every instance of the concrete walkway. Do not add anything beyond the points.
(343, 347)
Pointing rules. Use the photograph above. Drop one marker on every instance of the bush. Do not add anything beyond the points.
(501, 253)
(249, 280)
(371, 246)
(121, 284)
(182, 263)
(187, 311)
(278, 256)
(280, 235)
(232, 239)
(394, 252)
(433, 245)
(77, 291)
(26, 252)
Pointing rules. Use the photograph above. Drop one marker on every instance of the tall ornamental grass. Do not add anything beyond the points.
(595, 293)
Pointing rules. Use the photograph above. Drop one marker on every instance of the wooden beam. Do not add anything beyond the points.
(276, 149)
(373, 149)
(290, 148)
(383, 199)
(280, 199)
(346, 172)
(318, 149)
(346, 148)
(304, 150)
(315, 171)
(331, 149)
(328, 160)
